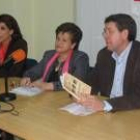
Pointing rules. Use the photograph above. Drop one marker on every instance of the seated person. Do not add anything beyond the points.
(65, 58)
(11, 40)
(117, 70)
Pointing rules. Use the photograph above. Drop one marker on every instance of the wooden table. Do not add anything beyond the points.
(40, 119)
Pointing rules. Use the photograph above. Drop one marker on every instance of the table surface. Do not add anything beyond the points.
(40, 118)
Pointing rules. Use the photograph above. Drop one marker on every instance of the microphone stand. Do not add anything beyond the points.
(15, 57)
(5, 97)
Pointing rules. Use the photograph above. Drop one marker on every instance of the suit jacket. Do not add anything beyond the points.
(17, 69)
(101, 78)
(79, 65)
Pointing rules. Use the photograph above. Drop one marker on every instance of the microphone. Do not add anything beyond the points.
(16, 57)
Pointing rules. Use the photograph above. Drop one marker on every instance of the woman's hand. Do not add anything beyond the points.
(43, 85)
(26, 81)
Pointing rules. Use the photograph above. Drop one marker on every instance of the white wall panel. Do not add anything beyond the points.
(90, 17)
(38, 20)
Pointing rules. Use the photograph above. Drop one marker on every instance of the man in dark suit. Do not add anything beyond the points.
(117, 70)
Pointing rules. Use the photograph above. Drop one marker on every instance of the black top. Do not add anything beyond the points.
(54, 76)
(17, 69)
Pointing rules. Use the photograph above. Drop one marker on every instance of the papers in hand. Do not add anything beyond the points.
(74, 86)
(27, 91)
(78, 109)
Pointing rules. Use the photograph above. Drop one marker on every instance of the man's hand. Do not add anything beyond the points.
(91, 102)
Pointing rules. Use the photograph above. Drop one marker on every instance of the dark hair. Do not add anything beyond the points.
(12, 24)
(124, 21)
(72, 29)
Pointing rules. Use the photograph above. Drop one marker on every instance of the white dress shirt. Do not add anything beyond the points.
(117, 87)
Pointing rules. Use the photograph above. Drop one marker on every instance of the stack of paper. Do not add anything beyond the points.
(27, 91)
(77, 109)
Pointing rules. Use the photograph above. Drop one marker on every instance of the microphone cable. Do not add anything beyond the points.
(10, 110)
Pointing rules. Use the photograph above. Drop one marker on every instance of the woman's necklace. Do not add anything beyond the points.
(58, 65)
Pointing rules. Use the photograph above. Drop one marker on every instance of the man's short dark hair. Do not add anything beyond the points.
(73, 30)
(124, 21)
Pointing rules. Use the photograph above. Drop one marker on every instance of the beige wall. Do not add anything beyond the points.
(38, 20)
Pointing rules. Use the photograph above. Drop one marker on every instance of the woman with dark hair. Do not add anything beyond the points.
(10, 40)
(65, 58)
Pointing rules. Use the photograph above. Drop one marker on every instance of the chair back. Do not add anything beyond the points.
(30, 62)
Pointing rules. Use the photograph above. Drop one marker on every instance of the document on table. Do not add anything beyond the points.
(77, 109)
(27, 91)
(74, 86)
